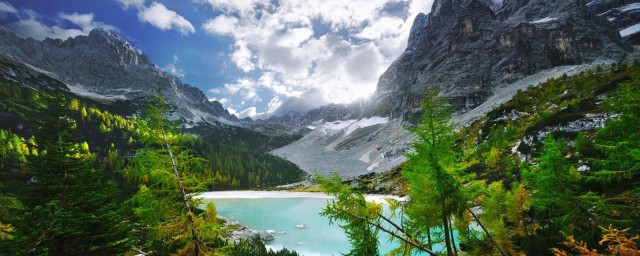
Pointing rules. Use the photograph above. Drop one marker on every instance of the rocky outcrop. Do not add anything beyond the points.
(624, 15)
(105, 67)
(470, 48)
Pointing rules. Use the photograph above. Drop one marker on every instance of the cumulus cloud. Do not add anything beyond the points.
(159, 16)
(249, 112)
(245, 88)
(27, 23)
(307, 53)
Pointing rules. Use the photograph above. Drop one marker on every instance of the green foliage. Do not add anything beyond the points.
(357, 217)
(564, 199)
(164, 170)
(434, 174)
(255, 247)
(104, 143)
(68, 206)
(233, 167)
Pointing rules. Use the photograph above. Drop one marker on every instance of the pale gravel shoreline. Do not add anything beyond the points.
(252, 194)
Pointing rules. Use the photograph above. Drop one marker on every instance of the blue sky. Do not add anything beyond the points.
(257, 57)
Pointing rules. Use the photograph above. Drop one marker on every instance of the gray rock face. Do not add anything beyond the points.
(623, 14)
(105, 67)
(469, 49)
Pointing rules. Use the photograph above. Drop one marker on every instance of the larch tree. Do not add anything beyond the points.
(165, 202)
(434, 173)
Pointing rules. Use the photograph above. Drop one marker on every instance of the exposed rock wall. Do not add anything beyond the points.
(470, 48)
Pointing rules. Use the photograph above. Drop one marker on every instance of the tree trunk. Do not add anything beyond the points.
(182, 192)
(445, 223)
(429, 237)
(453, 241)
(487, 232)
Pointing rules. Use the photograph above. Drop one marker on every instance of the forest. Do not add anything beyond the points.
(78, 180)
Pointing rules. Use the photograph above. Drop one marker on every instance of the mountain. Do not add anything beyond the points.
(470, 49)
(105, 67)
(623, 14)
(480, 53)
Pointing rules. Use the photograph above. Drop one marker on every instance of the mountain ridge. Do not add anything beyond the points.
(104, 66)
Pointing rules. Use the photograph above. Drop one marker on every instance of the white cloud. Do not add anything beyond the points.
(243, 57)
(126, 4)
(159, 16)
(232, 6)
(28, 23)
(7, 7)
(249, 112)
(245, 88)
(173, 70)
(221, 25)
(317, 51)
(85, 21)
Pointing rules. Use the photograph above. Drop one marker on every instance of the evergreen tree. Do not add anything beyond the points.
(69, 207)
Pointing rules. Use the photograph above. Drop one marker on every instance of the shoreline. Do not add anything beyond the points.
(261, 194)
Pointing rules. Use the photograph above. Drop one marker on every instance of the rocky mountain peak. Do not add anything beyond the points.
(103, 66)
(470, 48)
(107, 44)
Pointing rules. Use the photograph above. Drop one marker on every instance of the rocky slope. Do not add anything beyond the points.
(105, 67)
(480, 53)
(471, 48)
(623, 14)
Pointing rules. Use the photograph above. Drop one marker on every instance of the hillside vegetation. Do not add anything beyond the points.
(76, 179)
(558, 166)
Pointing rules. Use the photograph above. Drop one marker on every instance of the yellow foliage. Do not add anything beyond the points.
(5, 231)
(617, 241)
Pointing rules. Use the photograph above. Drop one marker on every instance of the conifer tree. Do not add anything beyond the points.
(433, 172)
(68, 206)
(165, 201)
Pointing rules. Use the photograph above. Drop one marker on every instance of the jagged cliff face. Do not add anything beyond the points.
(105, 67)
(469, 48)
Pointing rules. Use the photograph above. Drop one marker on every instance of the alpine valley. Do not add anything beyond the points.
(540, 141)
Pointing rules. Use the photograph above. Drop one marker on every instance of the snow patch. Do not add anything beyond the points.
(630, 30)
(544, 20)
(333, 127)
(629, 7)
(349, 126)
(365, 122)
(82, 91)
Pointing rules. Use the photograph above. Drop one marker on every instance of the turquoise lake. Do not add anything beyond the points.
(282, 211)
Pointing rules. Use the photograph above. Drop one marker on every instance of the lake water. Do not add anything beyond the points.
(282, 211)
